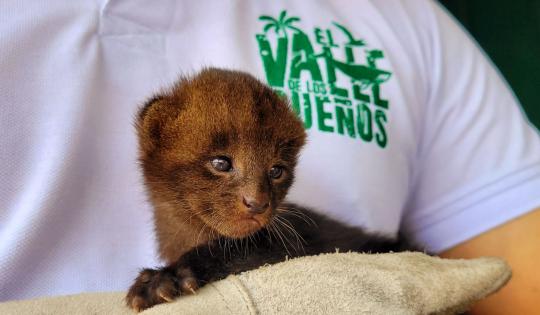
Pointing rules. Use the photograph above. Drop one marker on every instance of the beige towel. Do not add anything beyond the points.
(341, 283)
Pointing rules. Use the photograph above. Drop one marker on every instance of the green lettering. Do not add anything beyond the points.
(295, 103)
(377, 98)
(363, 122)
(372, 57)
(294, 85)
(319, 35)
(302, 60)
(338, 91)
(380, 120)
(345, 117)
(273, 67)
(358, 95)
(308, 116)
(322, 115)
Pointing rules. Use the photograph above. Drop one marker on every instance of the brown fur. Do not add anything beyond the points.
(206, 219)
(216, 113)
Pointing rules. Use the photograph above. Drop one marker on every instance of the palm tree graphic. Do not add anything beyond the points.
(281, 24)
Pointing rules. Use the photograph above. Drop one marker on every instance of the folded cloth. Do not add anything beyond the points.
(339, 283)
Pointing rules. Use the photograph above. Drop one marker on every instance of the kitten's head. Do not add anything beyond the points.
(221, 147)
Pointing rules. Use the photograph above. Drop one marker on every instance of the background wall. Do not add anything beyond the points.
(509, 31)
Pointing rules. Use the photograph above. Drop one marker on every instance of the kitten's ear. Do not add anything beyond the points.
(146, 107)
(149, 123)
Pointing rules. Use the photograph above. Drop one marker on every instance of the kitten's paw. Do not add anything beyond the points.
(159, 286)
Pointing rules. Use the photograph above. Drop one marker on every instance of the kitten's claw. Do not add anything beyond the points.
(137, 304)
(159, 286)
(189, 285)
(166, 293)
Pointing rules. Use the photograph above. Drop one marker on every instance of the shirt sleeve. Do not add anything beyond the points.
(478, 160)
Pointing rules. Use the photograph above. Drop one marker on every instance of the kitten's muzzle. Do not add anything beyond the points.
(256, 205)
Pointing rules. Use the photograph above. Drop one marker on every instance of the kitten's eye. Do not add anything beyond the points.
(276, 172)
(222, 164)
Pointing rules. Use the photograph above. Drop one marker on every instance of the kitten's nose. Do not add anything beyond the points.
(256, 205)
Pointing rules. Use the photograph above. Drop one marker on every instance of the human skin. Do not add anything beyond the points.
(518, 242)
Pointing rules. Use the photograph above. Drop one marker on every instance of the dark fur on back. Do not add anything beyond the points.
(209, 222)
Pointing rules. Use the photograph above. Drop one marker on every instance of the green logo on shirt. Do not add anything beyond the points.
(306, 68)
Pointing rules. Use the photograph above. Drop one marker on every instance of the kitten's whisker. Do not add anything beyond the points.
(198, 237)
(269, 233)
(285, 236)
(253, 240)
(227, 248)
(279, 235)
(291, 228)
(300, 241)
(295, 212)
(195, 214)
(236, 244)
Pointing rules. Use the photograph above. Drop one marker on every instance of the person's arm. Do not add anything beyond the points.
(517, 241)
(478, 168)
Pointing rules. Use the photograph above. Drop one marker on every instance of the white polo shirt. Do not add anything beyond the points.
(409, 124)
